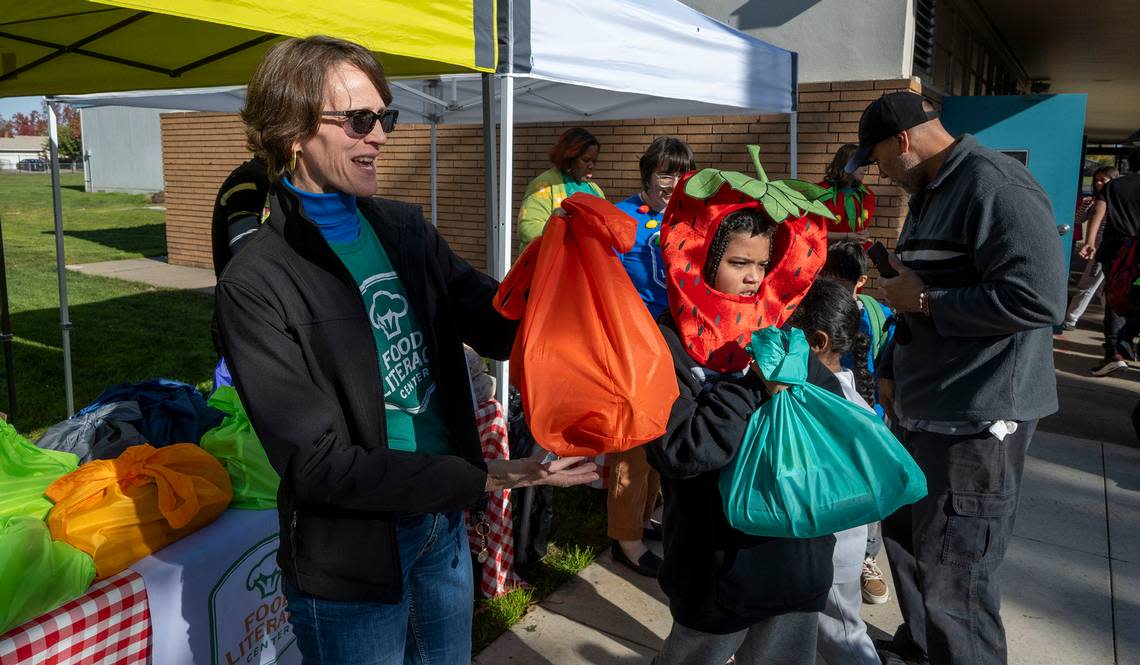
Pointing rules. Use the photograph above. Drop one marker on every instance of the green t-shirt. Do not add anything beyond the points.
(575, 186)
(415, 419)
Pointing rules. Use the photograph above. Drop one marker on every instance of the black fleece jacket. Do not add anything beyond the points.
(299, 344)
(720, 580)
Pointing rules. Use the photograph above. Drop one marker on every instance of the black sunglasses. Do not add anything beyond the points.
(360, 122)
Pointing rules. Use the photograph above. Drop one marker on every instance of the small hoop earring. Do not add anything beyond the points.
(293, 161)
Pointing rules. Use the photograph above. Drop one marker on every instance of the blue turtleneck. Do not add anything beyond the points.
(334, 214)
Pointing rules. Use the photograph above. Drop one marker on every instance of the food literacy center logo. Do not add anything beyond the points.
(249, 620)
(405, 361)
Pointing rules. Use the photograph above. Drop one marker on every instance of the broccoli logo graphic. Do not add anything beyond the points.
(265, 576)
(386, 310)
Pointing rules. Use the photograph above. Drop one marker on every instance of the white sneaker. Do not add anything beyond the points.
(1111, 365)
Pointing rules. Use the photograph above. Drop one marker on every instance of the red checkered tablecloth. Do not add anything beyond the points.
(497, 575)
(108, 625)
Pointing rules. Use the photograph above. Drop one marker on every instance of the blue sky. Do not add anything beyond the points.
(12, 105)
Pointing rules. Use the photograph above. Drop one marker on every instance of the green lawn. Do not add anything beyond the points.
(129, 332)
(578, 533)
(121, 331)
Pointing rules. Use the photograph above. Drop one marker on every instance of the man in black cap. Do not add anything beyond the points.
(981, 283)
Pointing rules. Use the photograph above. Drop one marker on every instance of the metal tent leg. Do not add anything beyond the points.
(60, 260)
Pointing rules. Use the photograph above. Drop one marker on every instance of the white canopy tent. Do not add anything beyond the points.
(570, 60)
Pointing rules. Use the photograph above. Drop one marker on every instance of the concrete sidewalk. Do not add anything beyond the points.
(154, 271)
(1071, 579)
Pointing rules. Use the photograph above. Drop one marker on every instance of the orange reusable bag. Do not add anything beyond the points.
(593, 369)
(119, 511)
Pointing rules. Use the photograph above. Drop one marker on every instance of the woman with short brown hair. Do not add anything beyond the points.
(633, 485)
(343, 320)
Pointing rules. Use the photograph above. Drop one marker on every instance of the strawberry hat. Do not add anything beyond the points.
(715, 327)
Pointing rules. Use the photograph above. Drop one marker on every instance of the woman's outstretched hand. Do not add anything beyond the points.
(563, 472)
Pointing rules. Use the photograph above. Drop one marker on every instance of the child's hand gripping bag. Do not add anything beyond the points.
(812, 463)
(594, 371)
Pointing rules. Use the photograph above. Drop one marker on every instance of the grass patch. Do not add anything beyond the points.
(121, 331)
(494, 616)
(578, 533)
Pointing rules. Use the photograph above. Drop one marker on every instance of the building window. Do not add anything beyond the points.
(958, 52)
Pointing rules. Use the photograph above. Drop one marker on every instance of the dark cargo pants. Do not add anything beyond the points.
(945, 550)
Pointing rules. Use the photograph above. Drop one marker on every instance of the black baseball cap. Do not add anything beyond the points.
(886, 116)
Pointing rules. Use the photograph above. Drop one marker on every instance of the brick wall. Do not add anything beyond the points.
(200, 149)
(828, 118)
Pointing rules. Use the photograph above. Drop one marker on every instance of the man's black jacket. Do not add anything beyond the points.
(300, 347)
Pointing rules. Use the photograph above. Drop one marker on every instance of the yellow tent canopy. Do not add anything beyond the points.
(50, 47)
(55, 47)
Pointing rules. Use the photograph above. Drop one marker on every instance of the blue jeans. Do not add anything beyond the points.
(431, 625)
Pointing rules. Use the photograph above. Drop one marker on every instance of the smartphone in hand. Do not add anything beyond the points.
(878, 255)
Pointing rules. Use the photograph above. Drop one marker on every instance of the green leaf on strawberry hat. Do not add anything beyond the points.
(704, 184)
(786, 202)
(780, 198)
(808, 189)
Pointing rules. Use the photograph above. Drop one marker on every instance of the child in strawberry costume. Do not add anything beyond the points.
(850, 202)
(740, 254)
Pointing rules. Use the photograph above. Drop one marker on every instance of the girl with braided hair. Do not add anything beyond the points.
(831, 324)
(740, 252)
(830, 320)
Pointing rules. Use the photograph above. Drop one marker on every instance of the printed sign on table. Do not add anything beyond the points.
(216, 596)
(251, 590)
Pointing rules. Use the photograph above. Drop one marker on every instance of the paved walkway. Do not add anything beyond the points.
(154, 271)
(1071, 580)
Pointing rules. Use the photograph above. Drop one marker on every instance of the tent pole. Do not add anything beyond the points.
(60, 262)
(434, 178)
(491, 213)
(506, 164)
(489, 169)
(504, 223)
(793, 148)
(6, 333)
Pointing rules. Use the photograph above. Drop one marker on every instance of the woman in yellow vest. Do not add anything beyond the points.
(573, 157)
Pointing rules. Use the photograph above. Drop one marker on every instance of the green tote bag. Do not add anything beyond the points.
(237, 447)
(37, 574)
(26, 471)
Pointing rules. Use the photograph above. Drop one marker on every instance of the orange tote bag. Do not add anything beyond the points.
(594, 371)
(121, 510)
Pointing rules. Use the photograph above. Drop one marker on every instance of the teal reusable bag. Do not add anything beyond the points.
(237, 447)
(812, 463)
